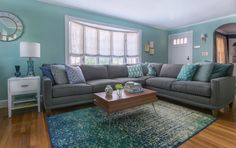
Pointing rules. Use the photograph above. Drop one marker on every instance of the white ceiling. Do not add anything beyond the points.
(167, 14)
(228, 29)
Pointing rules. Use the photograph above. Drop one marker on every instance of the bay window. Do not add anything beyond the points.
(92, 43)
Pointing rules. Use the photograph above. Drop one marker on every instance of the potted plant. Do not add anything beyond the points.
(119, 88)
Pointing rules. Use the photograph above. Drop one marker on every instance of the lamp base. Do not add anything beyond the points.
(30, 71)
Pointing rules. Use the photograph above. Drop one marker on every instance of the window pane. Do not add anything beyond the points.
(118, 61)
(75, 60)
(76, 38)
(90, 60)
(118, 43)
(132, 44)
(104, 42)
(90, 41)
(104, 60)
(132, 60)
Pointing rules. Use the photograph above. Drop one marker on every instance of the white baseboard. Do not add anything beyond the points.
(3, 103)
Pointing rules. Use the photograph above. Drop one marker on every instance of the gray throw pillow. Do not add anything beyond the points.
(59, 74)
(204, 72)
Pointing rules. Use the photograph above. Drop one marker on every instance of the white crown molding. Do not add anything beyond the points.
(3, 103)
(221, 31)
(204, 22)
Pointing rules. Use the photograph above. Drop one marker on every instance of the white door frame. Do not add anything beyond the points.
(190, 43)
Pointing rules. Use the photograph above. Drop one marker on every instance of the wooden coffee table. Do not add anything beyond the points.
(114, 103)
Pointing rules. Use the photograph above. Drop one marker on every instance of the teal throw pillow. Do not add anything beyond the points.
(220, 70)
(204, 71)
(135, 71)
(145, 68)
(151, 70)
(187, 72)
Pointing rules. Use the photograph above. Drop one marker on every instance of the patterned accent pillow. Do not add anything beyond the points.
(151, 70)
(187, 72)
(74, 74)
(135, 71)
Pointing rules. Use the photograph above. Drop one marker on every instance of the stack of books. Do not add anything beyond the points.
(133, 87)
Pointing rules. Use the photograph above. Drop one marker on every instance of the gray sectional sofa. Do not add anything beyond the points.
(213, 95)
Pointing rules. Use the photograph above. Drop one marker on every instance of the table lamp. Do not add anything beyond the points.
(30, 50)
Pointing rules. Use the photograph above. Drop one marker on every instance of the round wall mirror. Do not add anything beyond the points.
(11, 27)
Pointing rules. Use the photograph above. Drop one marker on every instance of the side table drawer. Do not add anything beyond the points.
(23, 85)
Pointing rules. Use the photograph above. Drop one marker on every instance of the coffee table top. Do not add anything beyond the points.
(125, 95)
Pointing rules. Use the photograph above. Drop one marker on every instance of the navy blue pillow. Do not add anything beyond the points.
(220, 70)
(46, 70)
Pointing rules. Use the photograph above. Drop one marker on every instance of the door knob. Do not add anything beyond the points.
(188, 58)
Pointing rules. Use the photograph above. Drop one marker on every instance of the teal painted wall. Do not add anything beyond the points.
(205, 28)
(45, 24)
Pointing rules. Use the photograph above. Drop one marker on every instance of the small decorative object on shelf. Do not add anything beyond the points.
(133, 87)
(119, 88)
(108, 90)
(17, 73)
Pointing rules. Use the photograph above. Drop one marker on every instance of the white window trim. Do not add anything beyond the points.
(71, 18)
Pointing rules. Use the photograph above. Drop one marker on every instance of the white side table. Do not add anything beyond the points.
(21, 86)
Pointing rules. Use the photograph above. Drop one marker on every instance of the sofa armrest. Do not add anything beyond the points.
(46, 90)
(222, 91)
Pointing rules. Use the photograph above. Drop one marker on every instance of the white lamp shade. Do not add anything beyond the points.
(29, 49)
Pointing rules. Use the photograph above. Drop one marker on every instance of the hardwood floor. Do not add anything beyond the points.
(29, 130)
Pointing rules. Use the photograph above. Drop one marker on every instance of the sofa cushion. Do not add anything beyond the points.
(138, 80)
(204, 72)
(74, 74)
(187, 72)
(71, 89)
(93, 72)
(192, 87)
(160, 82)
(116, 71)
(170, 70)
(59, 74)
(99, 85)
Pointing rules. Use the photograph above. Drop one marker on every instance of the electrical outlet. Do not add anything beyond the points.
(204, 53)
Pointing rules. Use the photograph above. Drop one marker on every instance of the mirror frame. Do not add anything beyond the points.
(19, 27)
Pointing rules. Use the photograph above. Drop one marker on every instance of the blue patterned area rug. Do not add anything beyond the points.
(132, 128)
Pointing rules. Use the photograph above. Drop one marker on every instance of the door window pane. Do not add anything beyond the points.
(118, 43)
(91, 41)
(90, 60)
(185, 40)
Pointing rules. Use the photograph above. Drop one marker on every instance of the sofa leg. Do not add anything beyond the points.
(215, 112)
(231, 105)
(48, 112)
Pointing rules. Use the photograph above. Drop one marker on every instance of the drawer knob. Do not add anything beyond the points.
(24, 85)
